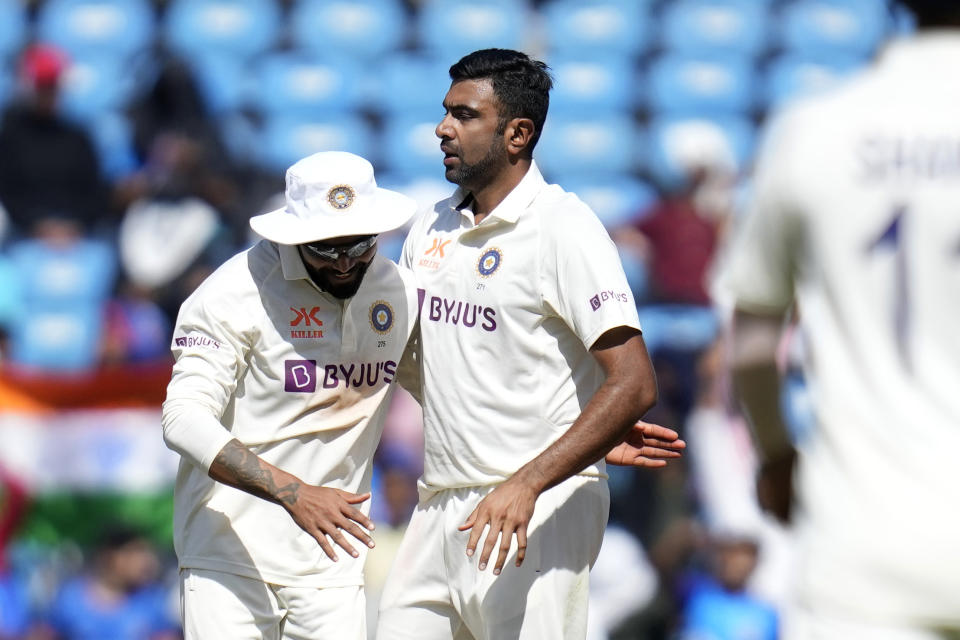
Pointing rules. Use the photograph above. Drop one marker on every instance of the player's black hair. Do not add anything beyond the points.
(522, 85)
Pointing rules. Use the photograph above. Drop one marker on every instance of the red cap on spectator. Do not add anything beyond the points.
(42, 64)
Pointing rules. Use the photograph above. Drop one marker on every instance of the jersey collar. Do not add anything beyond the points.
(292, 263)
(516, 202)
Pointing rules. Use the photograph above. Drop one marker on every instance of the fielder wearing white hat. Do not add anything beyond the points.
(333, 194)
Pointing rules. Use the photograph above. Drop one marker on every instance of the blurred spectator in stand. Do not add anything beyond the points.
(397, 467)
(176, 229)
(14, 602)
(119, 597)
(677, 238)
(48, 165)
(180, 147)
(716, 603)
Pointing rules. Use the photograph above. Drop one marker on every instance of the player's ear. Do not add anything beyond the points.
(518, 134)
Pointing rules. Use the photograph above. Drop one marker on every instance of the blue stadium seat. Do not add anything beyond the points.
(14, 27)
(410, 145)
(593, 145)
(703, 27)
(98, 27)
(299, 84)
(823, 28)
(94, 84)
(363, 29)
(583, 26)
(63, 339)
(286, 140)
(589, 82)
(11, 293)
(616, 198)
(113, 137)
(7, 85)
(693, 85)
(677, 144)
(232, 28)
(225, 82)
(411, 82)
(449, 29)
(678, 327)
(792, 76)
(77, 274)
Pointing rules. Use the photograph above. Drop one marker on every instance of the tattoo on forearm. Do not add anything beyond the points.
(238, 466)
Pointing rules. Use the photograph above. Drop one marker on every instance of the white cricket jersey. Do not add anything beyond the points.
(510, 308)
(302, 379)
(857, 213)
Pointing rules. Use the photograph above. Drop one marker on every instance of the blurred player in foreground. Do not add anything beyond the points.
(285, 358)
(532, 368)
(856, 217)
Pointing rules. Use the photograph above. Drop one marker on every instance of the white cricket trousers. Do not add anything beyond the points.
(224, 606)
(435, 592)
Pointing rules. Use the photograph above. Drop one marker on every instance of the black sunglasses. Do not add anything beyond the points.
(332, 253)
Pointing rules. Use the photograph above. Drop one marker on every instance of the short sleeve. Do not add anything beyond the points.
(583, 281)
(759, 271)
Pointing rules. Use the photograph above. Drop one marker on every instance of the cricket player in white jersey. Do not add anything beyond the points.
(856, 218)
(532, 368)
(285, 359)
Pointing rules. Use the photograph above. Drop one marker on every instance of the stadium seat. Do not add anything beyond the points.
(14, 27)
(94, 84)
(359, 29)
(593, 145)
(285, 140)
(594, 26)
(678, 144)
(98, 27)
(52, 276)
(823, 28)
(7, 85)
(450, 29)
(410, 145)
(112, 135)
(697, 85)
(225, 82)
(616, 198)
(412, 82)
(793, 76)
(589, 82)
(678, 327)
(704, 27)
(63, 339)
(231, 28)
(299, 84)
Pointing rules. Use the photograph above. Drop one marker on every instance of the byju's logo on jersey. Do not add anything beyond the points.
(191, 340)
(489, 262)
(307, 319)
(381, 316)
(434, 254)
(300, 376)
(597, 301)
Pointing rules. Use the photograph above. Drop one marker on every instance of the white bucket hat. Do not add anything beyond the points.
(333, 194)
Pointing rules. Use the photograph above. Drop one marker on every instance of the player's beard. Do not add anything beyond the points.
(340, 290)
(479, 174)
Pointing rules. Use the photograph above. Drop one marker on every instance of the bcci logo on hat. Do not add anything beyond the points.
(489, 262)
(341, 196)
(381, 317)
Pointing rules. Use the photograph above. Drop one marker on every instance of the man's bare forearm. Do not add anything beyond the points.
(239, 467)
(604, 423)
